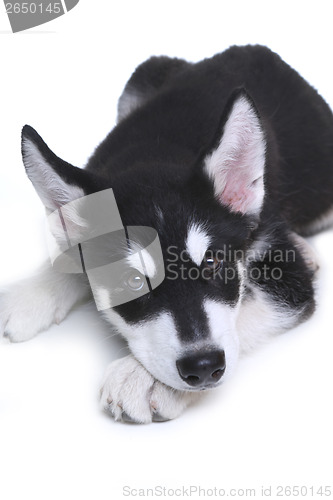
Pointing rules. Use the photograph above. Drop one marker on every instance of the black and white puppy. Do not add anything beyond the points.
(231, 161)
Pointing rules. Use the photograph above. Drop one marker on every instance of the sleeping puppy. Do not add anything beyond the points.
(230, 162)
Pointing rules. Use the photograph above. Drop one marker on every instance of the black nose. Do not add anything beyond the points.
(202, 369)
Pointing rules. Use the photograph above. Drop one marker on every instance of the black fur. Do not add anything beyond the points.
(180, 122)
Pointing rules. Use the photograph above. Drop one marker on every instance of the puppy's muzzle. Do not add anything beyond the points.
(202, 370)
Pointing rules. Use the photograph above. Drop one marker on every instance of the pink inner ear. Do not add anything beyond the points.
(237, 195)
(239, 160)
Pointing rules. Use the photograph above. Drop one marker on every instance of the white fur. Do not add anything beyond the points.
(197, 242)
(258, 249)
(237, 165)
(259, 319)
(64, 228)
(52, 190)
(155, 344)
(102, 298)
(143, 262)
(129, 389)
(160, 217)
(129, 101)
(306, 250)
(32, 305)
(222, 329)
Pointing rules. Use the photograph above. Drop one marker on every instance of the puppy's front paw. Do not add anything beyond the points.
(27, 308)
(131, 394)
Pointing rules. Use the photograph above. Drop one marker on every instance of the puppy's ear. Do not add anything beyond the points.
(236, 163)
(56, 181)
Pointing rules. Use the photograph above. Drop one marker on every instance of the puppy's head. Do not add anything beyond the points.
(183, 331)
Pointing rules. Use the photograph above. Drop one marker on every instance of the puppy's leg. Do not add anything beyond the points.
(279, 292)
(131, 394)
(261, 318)
(32, 305)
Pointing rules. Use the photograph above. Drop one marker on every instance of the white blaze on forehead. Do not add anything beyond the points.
(142, 261)
(197, 242)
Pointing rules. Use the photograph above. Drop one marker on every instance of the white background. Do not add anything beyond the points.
(272, 423)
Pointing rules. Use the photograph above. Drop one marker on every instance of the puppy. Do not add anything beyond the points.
(230, 161)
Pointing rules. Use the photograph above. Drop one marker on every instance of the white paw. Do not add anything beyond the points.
(132, 394)
(27, 308)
